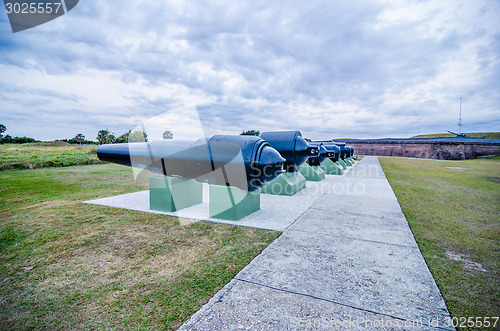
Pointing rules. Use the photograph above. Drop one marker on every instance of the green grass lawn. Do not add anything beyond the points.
(69, 265)
(40, 155)
(64, 264)
(455, 217)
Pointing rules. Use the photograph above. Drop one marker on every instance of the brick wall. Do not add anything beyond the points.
(441, 150)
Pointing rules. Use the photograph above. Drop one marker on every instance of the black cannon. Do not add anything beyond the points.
(343, 150)
(292, 147)
(351, 151)
(246, 162)
(333, 150)
(315, 161)
(347, 151)
(336, 149)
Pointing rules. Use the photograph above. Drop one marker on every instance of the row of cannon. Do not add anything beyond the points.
(245, 162)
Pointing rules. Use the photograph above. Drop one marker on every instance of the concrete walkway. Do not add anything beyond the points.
(349, 262)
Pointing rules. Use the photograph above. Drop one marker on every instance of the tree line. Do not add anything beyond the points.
(104, 136)
(7, 139)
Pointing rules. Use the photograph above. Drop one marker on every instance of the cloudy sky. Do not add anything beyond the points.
(328, 68)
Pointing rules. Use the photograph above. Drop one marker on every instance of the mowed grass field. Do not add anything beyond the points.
(41, 155)
(69, 265)
(455, 217)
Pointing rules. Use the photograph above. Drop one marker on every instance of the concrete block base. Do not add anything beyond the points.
(331, 168)
(231, 203)
(288, 183)
(312, 173)
(349, 161)
(342, 163)
(172, 193)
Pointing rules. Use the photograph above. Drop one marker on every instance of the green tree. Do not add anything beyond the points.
(102, 136)
(168, 135)
(111, 139)
(23, 140)
(250, 133)
(2, 129)
(124, 137)
(137, 137)
(7, 140)
(79, 138)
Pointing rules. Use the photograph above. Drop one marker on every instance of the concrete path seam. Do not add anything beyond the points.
(300, 216)
(353, 238)
(330, 301)
(312, 204)
(351, 213)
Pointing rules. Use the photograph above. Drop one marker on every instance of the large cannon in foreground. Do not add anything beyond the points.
(245, 162)
(292, 147)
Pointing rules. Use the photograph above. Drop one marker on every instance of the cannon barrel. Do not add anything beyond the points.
(292, 147)
(343, 151)
(332, 148)
(350, 151)
(323, 155)
(246, 162)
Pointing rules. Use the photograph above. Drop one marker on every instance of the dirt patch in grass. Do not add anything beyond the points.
(468, 264)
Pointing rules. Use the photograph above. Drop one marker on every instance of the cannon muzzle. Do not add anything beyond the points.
(318, 159)
(333, 150)
(292, 147)
(351, 151)
(343, 150)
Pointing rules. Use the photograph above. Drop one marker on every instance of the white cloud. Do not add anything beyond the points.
(342, 68)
